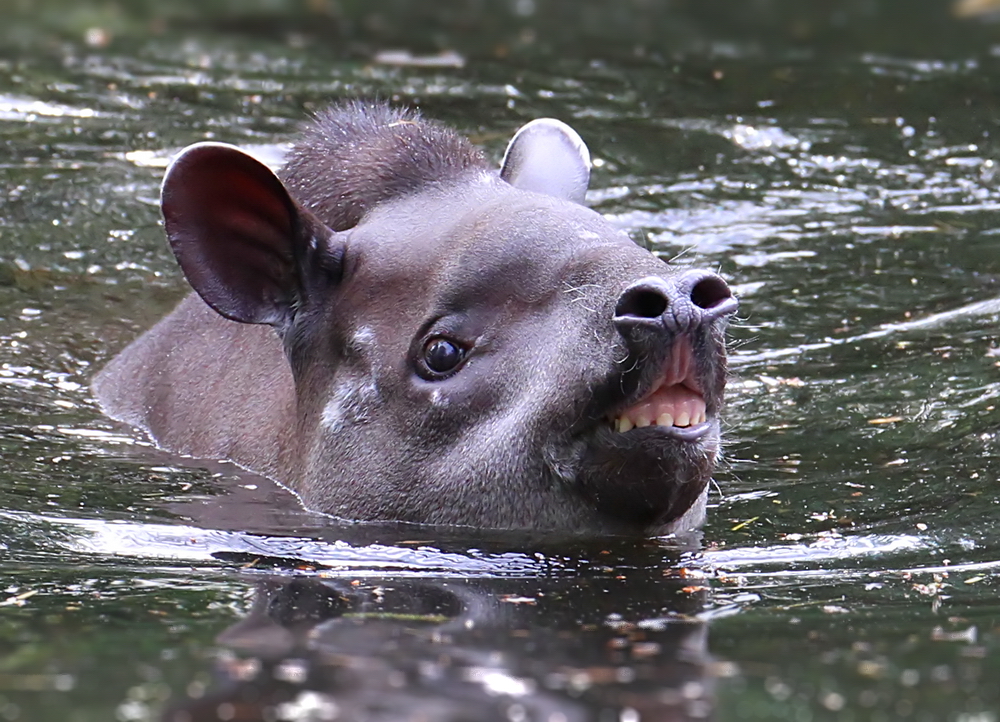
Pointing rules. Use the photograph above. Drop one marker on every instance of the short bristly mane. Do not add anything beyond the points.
(357, 155)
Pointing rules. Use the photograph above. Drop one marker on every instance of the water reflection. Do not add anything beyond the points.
(386, 648)
(836, 161)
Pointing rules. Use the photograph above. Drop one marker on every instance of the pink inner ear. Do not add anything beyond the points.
(232, 227)
(254, 201)
(235, 192)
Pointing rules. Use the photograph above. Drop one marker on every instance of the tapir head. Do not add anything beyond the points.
(467, 347)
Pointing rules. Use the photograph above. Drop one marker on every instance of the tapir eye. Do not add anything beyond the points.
(442, 355)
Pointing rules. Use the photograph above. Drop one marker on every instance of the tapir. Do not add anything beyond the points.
(394, 330)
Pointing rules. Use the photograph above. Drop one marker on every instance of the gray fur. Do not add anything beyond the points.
(396, 232)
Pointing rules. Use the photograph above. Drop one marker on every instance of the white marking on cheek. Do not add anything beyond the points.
(333, 415)
(350, 403)
(364, 336)
(368, 393)
(438, 399)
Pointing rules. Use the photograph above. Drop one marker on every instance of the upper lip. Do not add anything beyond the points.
(674, 398)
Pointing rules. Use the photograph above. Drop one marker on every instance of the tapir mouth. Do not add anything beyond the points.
(675, 401)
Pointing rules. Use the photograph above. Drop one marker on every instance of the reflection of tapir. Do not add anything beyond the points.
(423, 339)
(461, 650)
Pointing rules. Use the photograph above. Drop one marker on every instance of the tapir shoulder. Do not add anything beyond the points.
(176, 382)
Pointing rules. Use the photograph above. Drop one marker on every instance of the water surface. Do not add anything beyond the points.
(837, 164)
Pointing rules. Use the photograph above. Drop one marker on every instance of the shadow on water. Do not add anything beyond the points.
(835, 161)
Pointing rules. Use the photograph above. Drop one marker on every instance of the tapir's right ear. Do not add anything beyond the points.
(243, 243)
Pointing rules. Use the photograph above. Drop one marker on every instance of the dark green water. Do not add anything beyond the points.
(836, 162)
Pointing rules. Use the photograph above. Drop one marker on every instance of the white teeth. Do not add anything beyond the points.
(676, 401)
(684, 418)
(676, 405)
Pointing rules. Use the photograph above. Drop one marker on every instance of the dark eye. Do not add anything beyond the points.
(441, 355)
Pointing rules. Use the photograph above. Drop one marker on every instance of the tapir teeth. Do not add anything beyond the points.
(675, 401)
(675, 405)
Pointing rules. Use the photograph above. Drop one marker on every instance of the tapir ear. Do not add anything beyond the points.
(240, 239)
(547, 156)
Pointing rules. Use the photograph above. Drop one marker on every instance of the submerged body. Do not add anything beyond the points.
(396, 332)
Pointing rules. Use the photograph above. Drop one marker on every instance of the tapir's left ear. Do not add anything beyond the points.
(245, 246)
(547, 156)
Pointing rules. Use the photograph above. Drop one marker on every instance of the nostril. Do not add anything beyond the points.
(710, 292)
(641, 302)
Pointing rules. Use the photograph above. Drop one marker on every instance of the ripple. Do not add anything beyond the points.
(270, 154)
(986, 307)
(179, 543)
(786, 557)
(28, 110)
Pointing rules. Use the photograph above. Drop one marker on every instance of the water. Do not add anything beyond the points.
(837, 163)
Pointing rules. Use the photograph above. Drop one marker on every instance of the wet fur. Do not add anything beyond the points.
(355, 156)
(375, 169)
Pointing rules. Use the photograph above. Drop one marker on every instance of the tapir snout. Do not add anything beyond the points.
(397, 332)
(673, 305)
